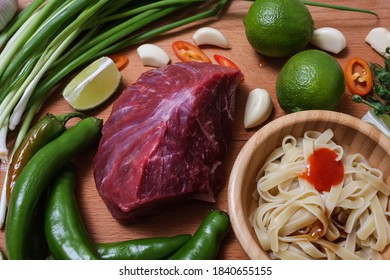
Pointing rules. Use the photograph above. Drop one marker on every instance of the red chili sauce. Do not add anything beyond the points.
(322, 170)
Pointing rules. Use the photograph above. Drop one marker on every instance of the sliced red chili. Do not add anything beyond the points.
(358, 76)
(120, 60)
(224, 61)
(188, 52)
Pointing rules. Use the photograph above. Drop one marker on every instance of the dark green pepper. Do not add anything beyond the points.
(205, 243)
(157, 248)
(45, 130)
(68, 239)
(38, 173)
(38, 248)
(64, 229)
(41, 133)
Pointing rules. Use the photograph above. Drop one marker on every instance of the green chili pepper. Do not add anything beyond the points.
(205, 243)
(157, 248)
(68, 239)
(38, 249)
(40, 170)
(64, 229)
(45, 130)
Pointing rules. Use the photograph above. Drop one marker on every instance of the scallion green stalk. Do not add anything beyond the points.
(20, 38)
(339, 7)
(52, 52)
(44, 33)
(18, 21)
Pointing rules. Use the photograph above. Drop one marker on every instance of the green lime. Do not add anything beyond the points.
(278, 28)
(93, 85)
(310, 80)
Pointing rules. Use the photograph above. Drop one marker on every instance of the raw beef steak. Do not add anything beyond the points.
(165, 138)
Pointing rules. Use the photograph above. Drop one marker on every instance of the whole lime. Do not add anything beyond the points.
(278, 28)
(310, 80)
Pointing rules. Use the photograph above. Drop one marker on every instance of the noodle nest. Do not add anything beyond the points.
(295, 221)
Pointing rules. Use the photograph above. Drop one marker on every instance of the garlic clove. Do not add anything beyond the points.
(379, 39)
(152, 55)
(258, 108)
(210, 36)
(329, 39)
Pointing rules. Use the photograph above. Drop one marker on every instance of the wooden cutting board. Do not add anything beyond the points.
(259, 72)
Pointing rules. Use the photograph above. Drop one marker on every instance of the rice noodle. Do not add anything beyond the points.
(295, 221)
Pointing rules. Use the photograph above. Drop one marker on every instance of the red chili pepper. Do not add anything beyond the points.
(358, 76)
(224, 61)
(221, 60)
(120, 60)
(188, 52)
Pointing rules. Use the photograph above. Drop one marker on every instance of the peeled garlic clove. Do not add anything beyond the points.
(152, 55)
(210, 36)
(379, 39)
(258, 108)
(328, 39)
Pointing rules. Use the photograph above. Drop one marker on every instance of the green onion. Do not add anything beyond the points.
(338, 7)
(17, 21)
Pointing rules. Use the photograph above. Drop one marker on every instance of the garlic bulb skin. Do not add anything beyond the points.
(379, 39)
(8, 10)
(329, 39)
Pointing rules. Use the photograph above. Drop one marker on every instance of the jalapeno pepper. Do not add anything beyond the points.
(188, 52)
(64, 229)
(36, 176)
(68, 239)
(358, 76)
(157, 248)
(205, 243)
(38, 249)
(45, 130)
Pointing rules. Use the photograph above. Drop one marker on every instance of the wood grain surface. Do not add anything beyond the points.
(259, 72)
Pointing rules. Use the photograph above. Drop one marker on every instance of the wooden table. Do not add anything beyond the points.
(259, 72)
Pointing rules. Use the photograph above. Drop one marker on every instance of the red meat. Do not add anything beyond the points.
(165, 139)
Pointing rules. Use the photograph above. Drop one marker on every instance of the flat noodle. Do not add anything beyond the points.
(295, 221)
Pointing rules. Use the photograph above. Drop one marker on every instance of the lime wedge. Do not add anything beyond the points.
(93, 85)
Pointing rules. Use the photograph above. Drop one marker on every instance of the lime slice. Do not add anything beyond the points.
(93, 85)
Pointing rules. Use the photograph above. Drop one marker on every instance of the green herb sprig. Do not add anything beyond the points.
(381, 87)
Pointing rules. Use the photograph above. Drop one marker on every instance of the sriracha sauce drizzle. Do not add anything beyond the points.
(323, 170)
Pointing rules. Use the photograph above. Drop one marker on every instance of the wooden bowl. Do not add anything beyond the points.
(351, 133)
